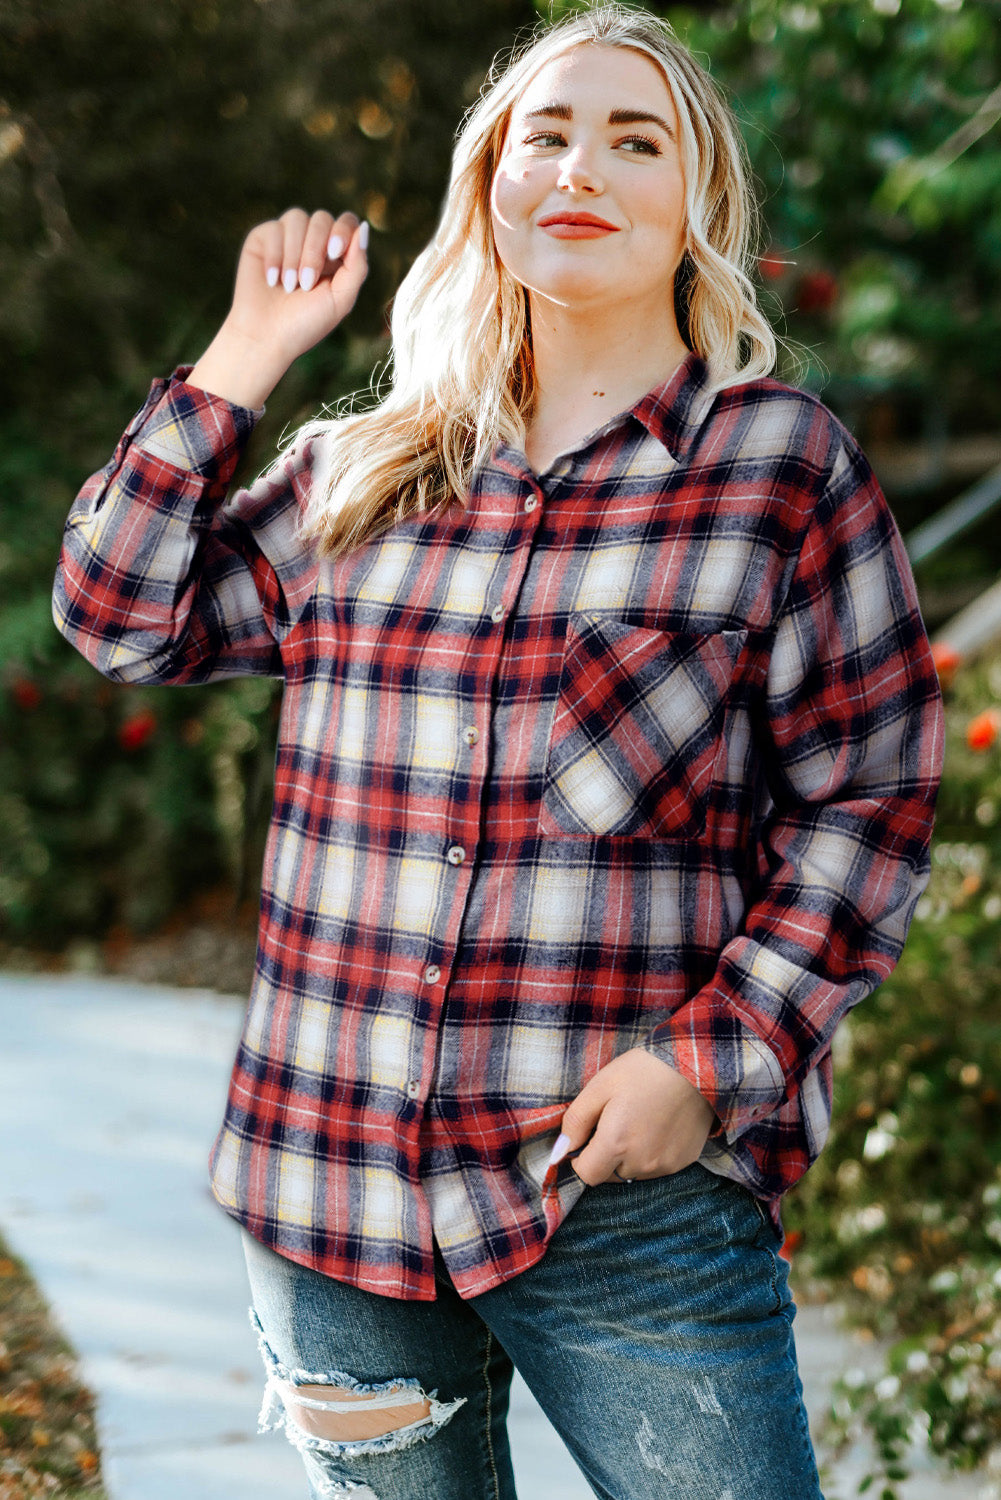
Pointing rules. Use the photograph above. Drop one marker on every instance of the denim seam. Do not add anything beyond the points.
(767, 1225)
(787, 1313)
(489, 1415)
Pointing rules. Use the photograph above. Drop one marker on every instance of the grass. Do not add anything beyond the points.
(48, 1437)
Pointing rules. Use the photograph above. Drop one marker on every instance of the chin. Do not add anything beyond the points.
(575, 289)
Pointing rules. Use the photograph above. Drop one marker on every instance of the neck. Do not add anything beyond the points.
(597, 363)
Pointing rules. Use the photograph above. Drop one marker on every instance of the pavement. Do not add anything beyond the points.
(110, 1096)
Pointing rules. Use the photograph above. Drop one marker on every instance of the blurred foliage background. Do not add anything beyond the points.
(137, 146)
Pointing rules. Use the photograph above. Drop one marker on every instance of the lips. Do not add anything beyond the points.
(574, 220)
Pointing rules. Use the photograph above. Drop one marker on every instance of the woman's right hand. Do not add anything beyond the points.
(297, 277)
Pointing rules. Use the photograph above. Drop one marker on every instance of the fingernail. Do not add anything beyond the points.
(289, 280)
(271, 275)
(307, 279)
(335, 246)
(560, 1149)
(363, 234)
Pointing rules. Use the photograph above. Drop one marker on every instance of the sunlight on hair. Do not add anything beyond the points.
(462, 377)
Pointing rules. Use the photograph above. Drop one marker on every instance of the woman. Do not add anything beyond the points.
(608, 752)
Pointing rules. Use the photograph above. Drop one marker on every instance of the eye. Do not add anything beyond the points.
(645, 145)
(545, 138)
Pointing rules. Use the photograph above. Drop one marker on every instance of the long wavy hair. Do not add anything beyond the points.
(461, 368)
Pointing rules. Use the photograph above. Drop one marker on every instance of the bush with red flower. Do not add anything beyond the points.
(25, 694)
(118, 803)
(901, 1215)
(816, 292)
(137, 729)
(982, 730)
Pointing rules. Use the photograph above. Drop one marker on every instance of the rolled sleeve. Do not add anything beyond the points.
(158, 581)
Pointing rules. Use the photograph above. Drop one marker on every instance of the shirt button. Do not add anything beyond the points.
(432, 973)
(413, 1088)
(456, 854)
(531, 502)
(497, 613)
(471, 734)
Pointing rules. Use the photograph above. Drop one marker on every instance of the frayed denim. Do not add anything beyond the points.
(655, 1332)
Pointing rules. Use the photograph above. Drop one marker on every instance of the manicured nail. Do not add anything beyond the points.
(307, 279)
(363, 234)
(560, 1149)
(271, 275)
(335, 247)
(289, 280)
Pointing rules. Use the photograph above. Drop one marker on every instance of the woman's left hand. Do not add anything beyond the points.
(643, 1119)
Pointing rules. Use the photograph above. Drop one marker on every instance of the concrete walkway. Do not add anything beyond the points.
(110, 1096)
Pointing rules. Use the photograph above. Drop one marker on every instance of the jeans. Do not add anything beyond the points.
(655, 1332)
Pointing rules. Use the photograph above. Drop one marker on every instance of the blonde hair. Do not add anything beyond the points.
(462, 376)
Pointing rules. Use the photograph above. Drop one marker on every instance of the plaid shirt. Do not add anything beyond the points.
(639, 752)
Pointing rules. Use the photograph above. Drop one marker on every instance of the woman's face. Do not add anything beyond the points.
(594, 137)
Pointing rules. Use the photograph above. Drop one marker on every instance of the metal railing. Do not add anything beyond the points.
(956, 517)
(979, 624)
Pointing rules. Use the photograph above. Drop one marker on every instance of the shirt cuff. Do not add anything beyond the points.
(740, 1078)
(192, 430)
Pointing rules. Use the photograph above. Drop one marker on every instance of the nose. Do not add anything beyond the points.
(578, 173)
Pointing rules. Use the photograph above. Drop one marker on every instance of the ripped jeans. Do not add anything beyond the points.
(655, 1332)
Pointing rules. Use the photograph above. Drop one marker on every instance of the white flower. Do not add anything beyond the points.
(871, 1218)
(877, 1144)
(887, 1388)
(917, 1429)
(849, 1173)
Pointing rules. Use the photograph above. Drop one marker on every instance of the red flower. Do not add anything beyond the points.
(817, 292)
(947, 661)
(791, 1244)
(25, 693)
(137, 730)
(771, 266)
(982, 731)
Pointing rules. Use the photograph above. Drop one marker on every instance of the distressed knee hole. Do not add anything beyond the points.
(351, 1416)
(331, 1413)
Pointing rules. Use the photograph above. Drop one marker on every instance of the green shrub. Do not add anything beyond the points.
(901, 1216)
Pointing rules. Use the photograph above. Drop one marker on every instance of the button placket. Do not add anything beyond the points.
(505, 582)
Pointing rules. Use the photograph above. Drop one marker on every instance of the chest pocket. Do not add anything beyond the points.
(638, 729)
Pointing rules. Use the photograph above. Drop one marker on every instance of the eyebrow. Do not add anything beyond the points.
(555, 110)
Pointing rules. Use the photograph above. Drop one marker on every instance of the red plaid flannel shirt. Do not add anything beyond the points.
(638, 752)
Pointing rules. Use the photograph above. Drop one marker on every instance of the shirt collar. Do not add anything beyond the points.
(672, 412)
(675, 411)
